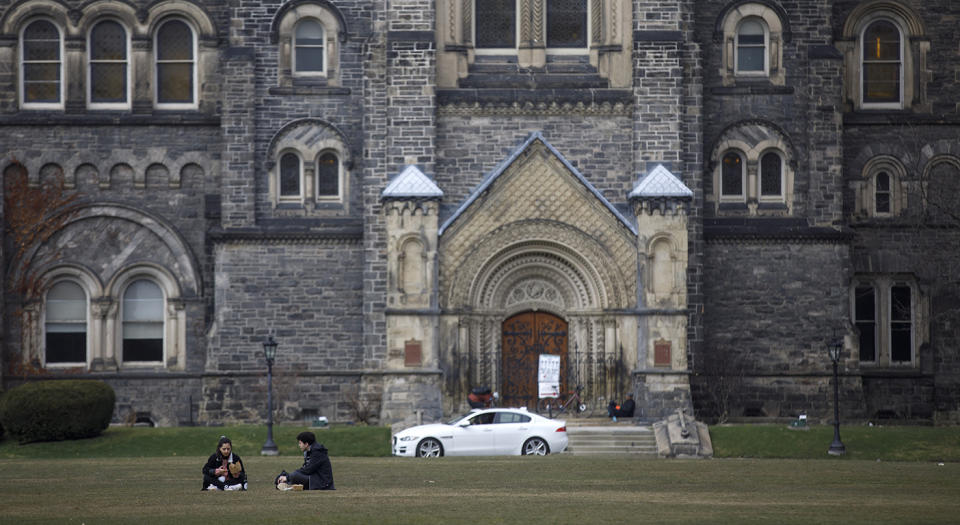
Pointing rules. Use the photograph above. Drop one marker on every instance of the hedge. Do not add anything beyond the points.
(57, 410)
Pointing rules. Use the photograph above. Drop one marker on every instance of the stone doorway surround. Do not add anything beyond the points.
(536, 236)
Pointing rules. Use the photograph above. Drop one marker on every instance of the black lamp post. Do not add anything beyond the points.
(270, 352)
(836, 448)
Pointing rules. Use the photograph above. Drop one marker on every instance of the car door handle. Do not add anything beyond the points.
(524, 428)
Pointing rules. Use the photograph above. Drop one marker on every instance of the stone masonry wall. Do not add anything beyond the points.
(770, 309)
(308, 295)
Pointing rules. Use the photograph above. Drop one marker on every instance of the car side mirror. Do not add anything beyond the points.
(465, 424)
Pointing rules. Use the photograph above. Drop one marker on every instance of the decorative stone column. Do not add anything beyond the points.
(412, 380)
(662, 379)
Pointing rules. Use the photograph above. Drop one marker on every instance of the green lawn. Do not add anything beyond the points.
(552, 489)
(886, 443)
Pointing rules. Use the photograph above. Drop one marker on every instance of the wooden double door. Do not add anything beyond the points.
(524, 337)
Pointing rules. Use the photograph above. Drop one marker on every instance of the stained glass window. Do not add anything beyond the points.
(496, 23)
(566, 23)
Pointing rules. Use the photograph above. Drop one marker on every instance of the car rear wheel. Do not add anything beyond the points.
(429, 448)
(535, 447)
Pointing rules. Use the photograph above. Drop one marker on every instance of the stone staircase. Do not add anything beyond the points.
(602, 436)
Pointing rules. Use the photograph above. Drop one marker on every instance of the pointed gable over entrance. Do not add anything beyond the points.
(537, 214)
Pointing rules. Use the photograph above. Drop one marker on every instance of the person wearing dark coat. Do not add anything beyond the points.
(624, 410)
(316, 472)
(224, 470)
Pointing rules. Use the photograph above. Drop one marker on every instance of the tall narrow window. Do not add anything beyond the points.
(901, 324)
(42, 68)
(751, 47)
(865, 317)
(566, 23)
(143, 322)
(771, 175)
(496, 23)
(108, 63)
(175, 63)
(66, 324)
(328, 176)
(882, 193)
(308, 48)
(289, 177)
(881, 63)
(731, 177)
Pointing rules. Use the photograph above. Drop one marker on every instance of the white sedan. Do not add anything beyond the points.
(510, 431)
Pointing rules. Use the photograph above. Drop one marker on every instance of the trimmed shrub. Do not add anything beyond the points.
(57, 410)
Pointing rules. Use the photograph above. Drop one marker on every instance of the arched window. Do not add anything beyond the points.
(109, 70)
(328, 176)
(308, 43)
(732, 177)
(143, 307)
(496, 24)
(771, 176)
(41, 65)
(751, 56)
(882, 194)
(882, 66)
(290, 177)
(175, 65)
(65, 325)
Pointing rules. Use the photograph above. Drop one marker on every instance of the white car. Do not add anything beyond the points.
(493, 431)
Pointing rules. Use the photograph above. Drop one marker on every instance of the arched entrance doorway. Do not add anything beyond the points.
(524, 337)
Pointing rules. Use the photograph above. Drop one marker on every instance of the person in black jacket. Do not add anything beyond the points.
(224, 470)
(316, 472)
(624, 410)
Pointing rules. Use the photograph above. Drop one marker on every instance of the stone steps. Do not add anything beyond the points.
(611, 439)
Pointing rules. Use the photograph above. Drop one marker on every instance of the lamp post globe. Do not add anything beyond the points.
(270, 353)
(835, 350)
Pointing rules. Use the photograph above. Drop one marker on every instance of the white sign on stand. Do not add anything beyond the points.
(549, 375)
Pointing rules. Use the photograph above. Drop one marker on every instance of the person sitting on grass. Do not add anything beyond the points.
(625, 410)
(224, 470)
(316, 472)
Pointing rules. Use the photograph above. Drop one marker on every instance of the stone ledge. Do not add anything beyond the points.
(108, 118)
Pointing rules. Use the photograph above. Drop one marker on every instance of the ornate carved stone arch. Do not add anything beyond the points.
(72, 244)
(600, 271)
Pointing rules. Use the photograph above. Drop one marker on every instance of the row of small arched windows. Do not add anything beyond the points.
(44, 72)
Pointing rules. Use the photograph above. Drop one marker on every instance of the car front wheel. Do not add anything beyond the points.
(535, 447)
(429, 448)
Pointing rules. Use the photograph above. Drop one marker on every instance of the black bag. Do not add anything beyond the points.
(276, 481)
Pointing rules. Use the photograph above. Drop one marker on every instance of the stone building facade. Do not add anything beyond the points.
(687, 200)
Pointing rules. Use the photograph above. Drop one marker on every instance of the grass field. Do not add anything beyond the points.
(554, 489)
(890, 475)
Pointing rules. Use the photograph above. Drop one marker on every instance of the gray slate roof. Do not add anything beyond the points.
(411, 183)
(660, 183)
